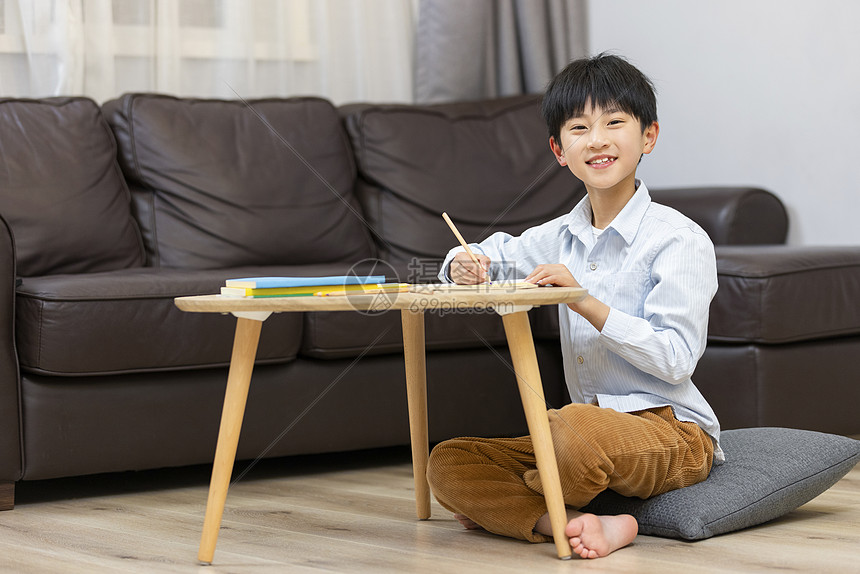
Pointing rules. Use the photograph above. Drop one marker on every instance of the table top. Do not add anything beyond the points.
(418, 298)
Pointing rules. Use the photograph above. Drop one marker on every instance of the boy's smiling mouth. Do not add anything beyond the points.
(601, 161)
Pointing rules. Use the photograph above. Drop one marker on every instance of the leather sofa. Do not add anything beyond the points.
(107, 213)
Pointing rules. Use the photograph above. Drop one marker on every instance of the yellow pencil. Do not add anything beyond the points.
(464, 244)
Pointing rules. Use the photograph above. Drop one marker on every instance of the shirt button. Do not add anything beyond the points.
(580, 360)
(593, 266)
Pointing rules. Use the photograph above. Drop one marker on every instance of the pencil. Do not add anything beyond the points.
(464, 244)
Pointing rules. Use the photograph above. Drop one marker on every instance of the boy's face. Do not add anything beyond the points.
(603, 147)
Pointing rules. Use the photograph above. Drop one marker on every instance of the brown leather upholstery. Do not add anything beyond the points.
(126, 322)
(10, 404)
(780, 294)
(259, 182)
(131, 422)
(346, 334)
(810, 385)
(730, 215)
(62, 191)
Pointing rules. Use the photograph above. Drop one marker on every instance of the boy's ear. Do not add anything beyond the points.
(650, 137)
(557, 150)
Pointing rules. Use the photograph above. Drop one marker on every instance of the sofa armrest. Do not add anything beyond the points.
(10, 437)
(730, 215)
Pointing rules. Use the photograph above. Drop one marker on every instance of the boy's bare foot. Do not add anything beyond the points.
(594, 536)
(467, 522)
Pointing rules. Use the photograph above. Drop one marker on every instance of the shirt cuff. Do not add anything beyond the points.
(615, 329)
(445, 272)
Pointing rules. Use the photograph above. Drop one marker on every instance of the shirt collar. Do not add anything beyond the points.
(626, 223)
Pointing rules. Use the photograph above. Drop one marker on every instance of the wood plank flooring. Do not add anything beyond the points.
(355, 513)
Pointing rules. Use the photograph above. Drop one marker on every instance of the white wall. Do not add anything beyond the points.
(751, 92)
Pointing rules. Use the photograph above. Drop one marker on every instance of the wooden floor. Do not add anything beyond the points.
(355, 513)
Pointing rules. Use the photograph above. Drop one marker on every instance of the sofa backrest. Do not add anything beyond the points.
(486, 163)
(61, 190)
(228, 183)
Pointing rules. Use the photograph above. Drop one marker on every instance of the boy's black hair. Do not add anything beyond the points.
(604, 81)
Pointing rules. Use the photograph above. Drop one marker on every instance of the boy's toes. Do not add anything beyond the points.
(573, 529)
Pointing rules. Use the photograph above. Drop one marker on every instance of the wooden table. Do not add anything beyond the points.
(512, 304)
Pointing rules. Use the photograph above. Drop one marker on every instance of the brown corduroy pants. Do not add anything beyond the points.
(496, 484)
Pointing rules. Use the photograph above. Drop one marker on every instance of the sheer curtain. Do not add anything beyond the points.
(344, 50)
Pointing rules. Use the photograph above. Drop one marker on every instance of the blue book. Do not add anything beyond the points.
(280, 282)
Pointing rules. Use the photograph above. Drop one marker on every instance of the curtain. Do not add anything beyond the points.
(344, 50)
(491, 48)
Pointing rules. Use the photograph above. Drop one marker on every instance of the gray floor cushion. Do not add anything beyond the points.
(768, 472)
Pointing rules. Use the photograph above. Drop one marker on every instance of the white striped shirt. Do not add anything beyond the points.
(657, 271)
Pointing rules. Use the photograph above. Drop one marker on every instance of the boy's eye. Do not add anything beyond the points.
(615, 122)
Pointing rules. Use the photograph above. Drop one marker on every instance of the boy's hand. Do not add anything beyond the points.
(552, 274)
(463, 270)
(594, 311)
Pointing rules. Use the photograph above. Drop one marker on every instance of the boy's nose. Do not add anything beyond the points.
(597, 139)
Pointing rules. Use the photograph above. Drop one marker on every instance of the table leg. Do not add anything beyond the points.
(238, 382)
(416, 395)
(523, 354)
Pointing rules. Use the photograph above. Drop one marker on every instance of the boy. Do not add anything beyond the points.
(636, 424)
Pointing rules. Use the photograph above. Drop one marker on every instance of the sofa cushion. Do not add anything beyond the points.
(768, 472)
(782, 294)
(122, 322)
(487, 163)
(259, 182)
(61, 189)
(348, 334)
